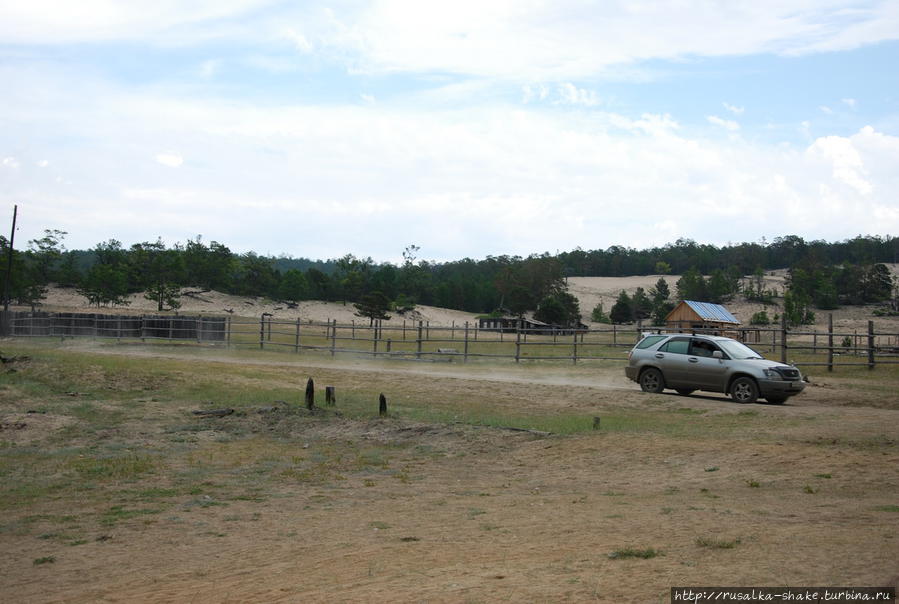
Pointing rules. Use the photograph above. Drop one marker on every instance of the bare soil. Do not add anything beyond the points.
(801, 494)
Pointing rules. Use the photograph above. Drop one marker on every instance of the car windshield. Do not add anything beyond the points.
(738, 350)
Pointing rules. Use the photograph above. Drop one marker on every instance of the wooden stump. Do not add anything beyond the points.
(310, 394)
(330, 396)
(382, 405)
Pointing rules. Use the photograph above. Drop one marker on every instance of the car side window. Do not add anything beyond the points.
(676, 346)
(701, 348)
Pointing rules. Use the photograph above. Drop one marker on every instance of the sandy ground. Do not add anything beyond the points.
(589, 291)
(806, 496)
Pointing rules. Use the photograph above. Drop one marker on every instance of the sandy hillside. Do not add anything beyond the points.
(589, 291)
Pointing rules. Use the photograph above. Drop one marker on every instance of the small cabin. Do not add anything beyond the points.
(690, 314)
(529, 326)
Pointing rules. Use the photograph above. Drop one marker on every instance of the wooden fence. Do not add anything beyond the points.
(95, 325)
(422, 341)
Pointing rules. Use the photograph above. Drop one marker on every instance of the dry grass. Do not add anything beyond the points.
(112, 479)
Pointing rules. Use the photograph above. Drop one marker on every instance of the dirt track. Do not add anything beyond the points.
(802, 496)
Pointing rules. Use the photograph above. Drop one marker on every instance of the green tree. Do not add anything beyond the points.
(159, 272)
(661, 305)
(373, 305)
(623, 310)
(598, 315)
(641, 304)
(760, 318)
(105, 284)
(692, 286)
(559, 308)
(294, 286)
(796, 309)
(208, 266)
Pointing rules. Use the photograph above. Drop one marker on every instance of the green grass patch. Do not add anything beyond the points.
(887, 508)
(118, 513)
(716, 543)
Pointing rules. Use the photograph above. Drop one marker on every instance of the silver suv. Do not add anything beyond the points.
(685, 363)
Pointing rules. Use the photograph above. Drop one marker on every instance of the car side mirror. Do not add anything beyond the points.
(717, 354)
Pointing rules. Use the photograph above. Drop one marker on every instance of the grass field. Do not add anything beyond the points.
(485, 482)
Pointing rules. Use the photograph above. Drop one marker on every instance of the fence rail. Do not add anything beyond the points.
(422, 341)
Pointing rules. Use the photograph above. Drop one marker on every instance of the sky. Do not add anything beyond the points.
(468, 128)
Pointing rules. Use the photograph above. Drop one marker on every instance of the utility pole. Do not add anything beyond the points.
(12, 236)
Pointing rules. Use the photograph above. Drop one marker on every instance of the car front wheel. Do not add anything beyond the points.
(744, 390)
(651, 380)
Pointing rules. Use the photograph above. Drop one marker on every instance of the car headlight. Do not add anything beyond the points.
(771, 374)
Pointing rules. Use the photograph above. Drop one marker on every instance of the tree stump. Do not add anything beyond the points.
(330, 396)
(382, 405)
(310, 394)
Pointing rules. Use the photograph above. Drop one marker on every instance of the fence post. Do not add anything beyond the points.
(870, 345)
(418, 350)
(465, 354)
(574, 348)
(783, 338)
(262, 331)
(143, 328)
(453, 332)
(228, 332)
(404, 330)
(296, 347)
(517, 342)
(830, 342)
(333, 336)
(614, 336)
(353, 333)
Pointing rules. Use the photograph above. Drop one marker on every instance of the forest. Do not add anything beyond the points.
(821, 275)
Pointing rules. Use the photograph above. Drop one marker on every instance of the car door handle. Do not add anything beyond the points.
(693, 360)
(659, 355)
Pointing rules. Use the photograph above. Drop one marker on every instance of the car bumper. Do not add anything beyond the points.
(780, 387)
(631, 373)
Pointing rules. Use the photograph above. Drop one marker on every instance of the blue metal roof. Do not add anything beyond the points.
(712, 312)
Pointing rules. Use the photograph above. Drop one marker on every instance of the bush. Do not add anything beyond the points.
(760, 318)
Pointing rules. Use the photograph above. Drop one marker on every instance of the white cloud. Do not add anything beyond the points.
(299, 41)
(42, 163)
(726, 124)
(172, 160)
(368, 98)
(54, 22)
(825, 109)
(569, 39)
(569, 94)
(11, 163)
(568, 178)
(849, 103)
(734, 109)
(557, 41)
(210, 68)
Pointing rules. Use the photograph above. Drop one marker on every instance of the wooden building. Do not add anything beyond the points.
(690, 314)
(530, 326)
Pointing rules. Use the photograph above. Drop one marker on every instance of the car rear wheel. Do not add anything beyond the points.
(685, 391)
(651, 380)
(744, 390)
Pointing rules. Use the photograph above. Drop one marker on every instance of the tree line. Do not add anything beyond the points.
(821, 275)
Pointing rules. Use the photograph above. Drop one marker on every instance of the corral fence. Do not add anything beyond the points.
(95, 325)
(418, 340)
